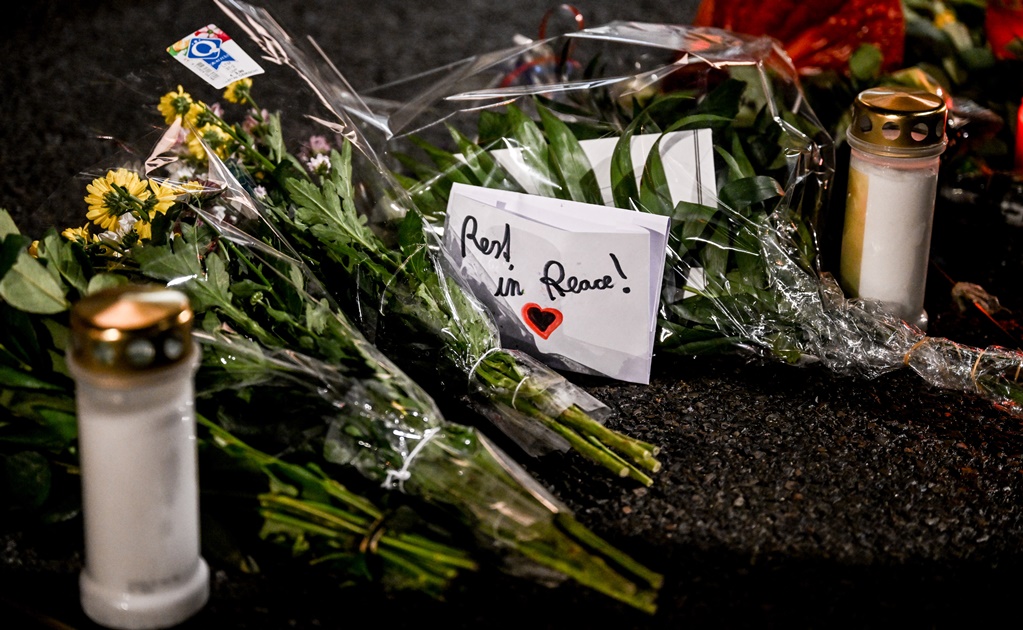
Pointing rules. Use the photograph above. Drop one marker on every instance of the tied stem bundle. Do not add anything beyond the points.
(303, 508)
(390, 282)
(417, 301)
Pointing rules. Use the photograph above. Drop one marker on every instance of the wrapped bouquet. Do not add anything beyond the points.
(275, 340)
(562, 118)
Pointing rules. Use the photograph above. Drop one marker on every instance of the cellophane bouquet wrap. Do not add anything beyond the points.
(742, 267)
(379, 257)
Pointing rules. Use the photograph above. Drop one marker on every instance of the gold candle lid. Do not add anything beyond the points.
(131, 329)
(898, 121)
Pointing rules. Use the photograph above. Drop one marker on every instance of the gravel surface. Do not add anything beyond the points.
(789, 496)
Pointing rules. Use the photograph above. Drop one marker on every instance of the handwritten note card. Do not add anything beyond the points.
(576, 285)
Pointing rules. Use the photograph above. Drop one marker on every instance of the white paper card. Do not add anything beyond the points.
(574, 284)
(687, 156)
(214, 56)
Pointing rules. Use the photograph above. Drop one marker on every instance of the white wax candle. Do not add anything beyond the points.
(887, 235)
(140, 502)
(134, 363)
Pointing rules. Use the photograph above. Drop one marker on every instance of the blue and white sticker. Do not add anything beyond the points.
(213, 55)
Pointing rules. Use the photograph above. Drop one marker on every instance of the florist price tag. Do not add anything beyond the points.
(574, 284)
(213, 55)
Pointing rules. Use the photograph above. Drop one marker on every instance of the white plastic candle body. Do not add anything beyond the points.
(896, 138)
(887, 235)
(139, 472)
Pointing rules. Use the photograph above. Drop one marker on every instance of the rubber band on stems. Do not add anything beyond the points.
(906, 357)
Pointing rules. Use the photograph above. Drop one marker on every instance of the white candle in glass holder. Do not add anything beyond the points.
(133, 361)
(896, 139)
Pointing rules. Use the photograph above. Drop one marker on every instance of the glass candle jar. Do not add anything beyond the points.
(896, 138)
(133, 361)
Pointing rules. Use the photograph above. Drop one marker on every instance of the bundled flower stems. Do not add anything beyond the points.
(397, 291)
(322, 521)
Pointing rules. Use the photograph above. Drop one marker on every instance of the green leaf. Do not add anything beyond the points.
(534, 152)
(487, 171)
(743, 193)
(654, 193)
(18, 379)
(412, 243)
(695, 121)
(105, 281)
(453, 169)
(7, 224)
(274, 139)
(568, 160)
(27, 478)
(624, 190)
(20, 339)
(28, 286)
(724, 101)
(61, 254)
(492, 127)
(865, 62)
(715, 254)
(692, 220)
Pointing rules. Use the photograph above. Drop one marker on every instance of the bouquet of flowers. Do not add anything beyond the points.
(392, 283)
(323, 521)
(275, 339)
(742, 268)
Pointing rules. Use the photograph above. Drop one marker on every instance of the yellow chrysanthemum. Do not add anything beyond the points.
(114, 194)
(178, 104)
(211, 136)
(144, 229)
(80, 235)
(191, 188)
(164, 194)
(238, 92)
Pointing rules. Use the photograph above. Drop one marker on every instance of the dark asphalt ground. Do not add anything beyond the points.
(790, 497)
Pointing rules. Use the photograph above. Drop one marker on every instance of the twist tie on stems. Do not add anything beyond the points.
(400, 476)
(517, 388)
(574, 14)
(479, 361)
(373, 535)
(534, 63)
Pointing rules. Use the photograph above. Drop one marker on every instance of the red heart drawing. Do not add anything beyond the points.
(543, 321)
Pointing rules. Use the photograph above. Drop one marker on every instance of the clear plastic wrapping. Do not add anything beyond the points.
(743, 262)
(380, 260)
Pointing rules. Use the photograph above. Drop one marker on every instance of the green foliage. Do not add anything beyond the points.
(720, 241)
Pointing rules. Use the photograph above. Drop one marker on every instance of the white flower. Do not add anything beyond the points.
(124, 225)
(180, 170)
(259, 192)
(319, 164)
